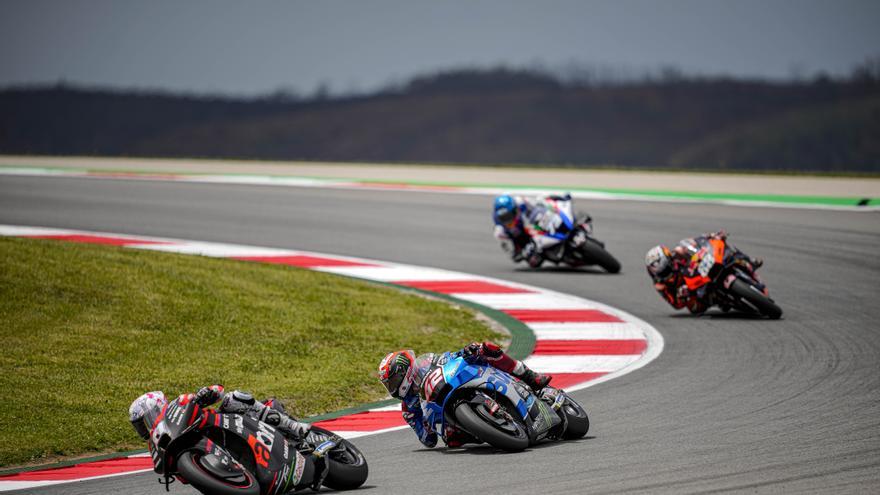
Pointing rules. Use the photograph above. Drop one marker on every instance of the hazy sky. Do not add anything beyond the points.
(247, 47)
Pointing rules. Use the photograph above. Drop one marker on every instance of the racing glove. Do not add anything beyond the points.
(472, 350)
(209, 395)
(682, 292)
(720, 234)
(532, 255)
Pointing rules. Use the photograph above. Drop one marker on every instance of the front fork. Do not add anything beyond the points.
(746, 274)
(555, 398)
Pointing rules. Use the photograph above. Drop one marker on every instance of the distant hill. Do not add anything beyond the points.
(497, 116)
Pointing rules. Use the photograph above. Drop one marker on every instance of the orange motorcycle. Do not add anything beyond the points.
(722, 275)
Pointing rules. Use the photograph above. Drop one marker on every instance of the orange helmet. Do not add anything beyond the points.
(397, 372)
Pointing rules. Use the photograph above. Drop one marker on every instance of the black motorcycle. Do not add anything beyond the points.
(229, 454)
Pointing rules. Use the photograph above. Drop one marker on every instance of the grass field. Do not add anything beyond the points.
(86, 329)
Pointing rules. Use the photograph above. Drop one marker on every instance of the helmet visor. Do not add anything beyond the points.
(392, 384)
(664, 272)
(506, 215)
(140, 426)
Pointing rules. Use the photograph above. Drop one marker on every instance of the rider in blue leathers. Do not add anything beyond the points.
(511, 215)
(402, 373)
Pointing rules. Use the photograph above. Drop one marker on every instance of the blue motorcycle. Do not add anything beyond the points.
(496, 408)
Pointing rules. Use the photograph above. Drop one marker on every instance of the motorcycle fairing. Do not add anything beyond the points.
(457, 374)
(714, 257)
(557, 234)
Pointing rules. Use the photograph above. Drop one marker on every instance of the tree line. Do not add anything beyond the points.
(489, 116)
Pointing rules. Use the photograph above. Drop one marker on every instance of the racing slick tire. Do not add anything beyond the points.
(578, 421)
(593, 251)
(191, 466)
(348, 466)
(755, 298)
(505, 432)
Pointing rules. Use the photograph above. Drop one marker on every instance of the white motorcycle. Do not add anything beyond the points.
(560, 237)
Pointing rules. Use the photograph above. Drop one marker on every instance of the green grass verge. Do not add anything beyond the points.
(772, 198)
(89, 328)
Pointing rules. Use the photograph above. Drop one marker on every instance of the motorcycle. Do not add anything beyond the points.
(565, 238)
(494, 407)
(721, 274)
(238, 454)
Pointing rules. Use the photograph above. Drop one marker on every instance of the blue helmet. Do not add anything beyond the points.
(505, 209)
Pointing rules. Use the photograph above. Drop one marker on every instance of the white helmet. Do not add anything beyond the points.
(658, 262)
(144, 411)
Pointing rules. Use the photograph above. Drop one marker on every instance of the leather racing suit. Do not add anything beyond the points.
(673, 288)
(517, 232)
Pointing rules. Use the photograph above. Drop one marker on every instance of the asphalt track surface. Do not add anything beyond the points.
(732, 404)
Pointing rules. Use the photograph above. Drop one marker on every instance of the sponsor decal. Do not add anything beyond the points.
(261, 443)
(498, 381)
(265, 434)
(434, 378)
(261, 453)
(285, 475)
(300, 465)
(523, 393)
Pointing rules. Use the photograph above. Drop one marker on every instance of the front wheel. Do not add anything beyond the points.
(206, 475)
(578, 421)
(593, 252)
(756, 299)
(499, 430)
(348, 466)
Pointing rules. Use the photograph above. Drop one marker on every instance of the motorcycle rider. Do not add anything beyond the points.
(510, 214)
(146, 409)
(401, 373)
(669, 268)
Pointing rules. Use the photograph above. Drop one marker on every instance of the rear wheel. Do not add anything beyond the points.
(208, 476)
(751, 296)
(348, 466)
(500, 429)
(593, 252)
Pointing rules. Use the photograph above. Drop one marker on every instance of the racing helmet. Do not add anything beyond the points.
(397, 372)
(505, 209)
(659, 262)
(145, 410)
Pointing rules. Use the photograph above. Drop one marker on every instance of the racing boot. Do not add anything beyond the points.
(501, 360)
(536, 381)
